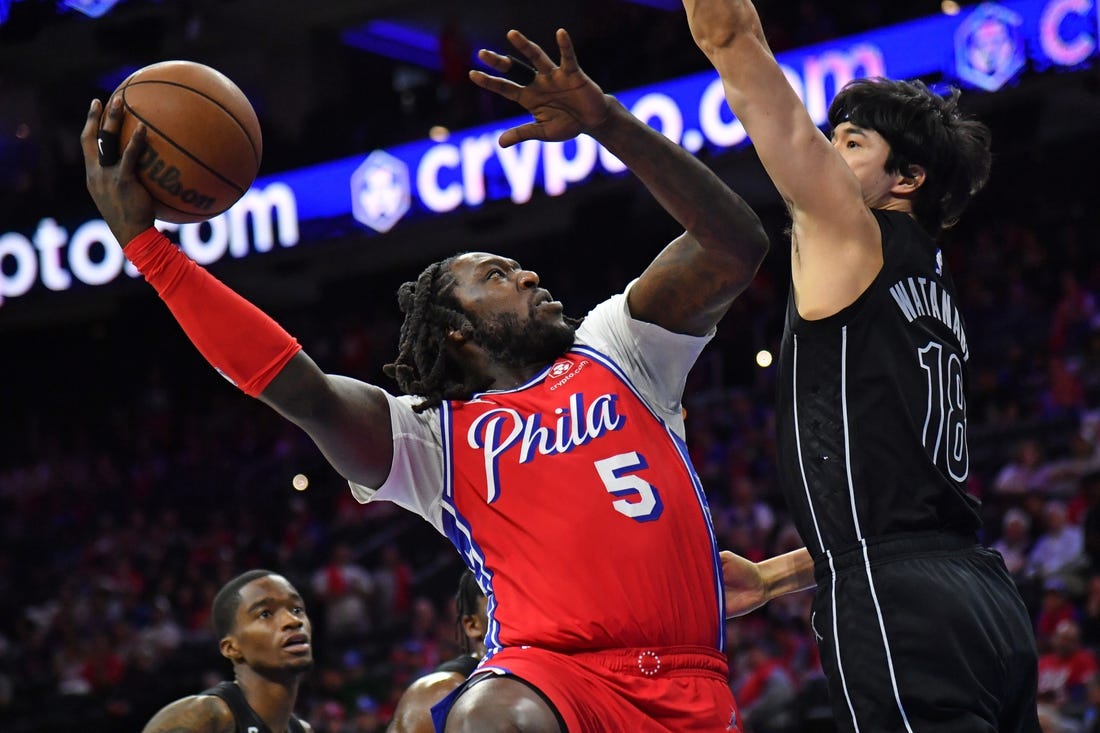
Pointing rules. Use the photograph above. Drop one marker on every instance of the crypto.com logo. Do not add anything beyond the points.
(380, 192)
(989, 47)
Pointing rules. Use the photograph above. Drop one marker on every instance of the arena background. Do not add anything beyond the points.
(134, 480)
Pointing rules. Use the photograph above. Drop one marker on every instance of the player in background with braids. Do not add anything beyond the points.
(920, 628)
(551, 454)
(414, 709)
(265, 632)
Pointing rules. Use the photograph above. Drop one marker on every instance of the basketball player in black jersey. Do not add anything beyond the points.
(264, 631)
(414, 710)
(919, 627)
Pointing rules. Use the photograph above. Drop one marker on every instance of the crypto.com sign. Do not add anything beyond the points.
(986, 47)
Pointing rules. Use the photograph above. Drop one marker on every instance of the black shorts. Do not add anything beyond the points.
(929, 634)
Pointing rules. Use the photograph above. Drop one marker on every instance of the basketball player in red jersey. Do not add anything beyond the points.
(549, 451)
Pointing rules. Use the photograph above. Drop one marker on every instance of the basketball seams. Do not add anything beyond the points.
(184, 151)
(202, 164)
(207, 97)
(194, 218)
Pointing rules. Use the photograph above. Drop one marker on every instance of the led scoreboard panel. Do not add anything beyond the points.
(986, 47)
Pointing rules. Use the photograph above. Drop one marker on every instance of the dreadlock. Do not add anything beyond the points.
(423, 365)
(466, 599)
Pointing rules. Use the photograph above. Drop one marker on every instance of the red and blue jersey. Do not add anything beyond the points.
(572, 497)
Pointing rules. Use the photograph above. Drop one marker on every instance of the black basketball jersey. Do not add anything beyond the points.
(872, 405)
(247, 720)
(463, 664)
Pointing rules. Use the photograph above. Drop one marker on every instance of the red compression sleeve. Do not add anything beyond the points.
(243, 343)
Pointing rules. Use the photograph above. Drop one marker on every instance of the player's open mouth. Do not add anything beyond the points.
(298, 643)
(545, 299)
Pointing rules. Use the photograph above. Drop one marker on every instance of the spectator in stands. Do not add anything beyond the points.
(765, 690)
(1057, 606)
(1065, 671)
(1014, 544)
(1059, 551)
(346, 591)
(1018, 476)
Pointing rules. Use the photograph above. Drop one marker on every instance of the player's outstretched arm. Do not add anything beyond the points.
(692, 283)
(836, 241)
(749, 585)
(349, 420)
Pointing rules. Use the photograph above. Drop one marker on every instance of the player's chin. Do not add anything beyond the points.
(298, 666)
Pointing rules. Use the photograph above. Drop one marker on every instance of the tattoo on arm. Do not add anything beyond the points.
(195, 714)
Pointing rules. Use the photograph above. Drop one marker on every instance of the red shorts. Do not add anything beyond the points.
(682, 689)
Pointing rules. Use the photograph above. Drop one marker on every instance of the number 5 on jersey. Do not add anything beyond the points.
(639, 500)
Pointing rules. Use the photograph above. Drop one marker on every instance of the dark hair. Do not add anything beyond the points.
(423, 366)
(466, 600)
(228, 600)
(469, 593)
(925, 129)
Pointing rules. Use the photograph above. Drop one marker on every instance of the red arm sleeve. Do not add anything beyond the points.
(243, 343)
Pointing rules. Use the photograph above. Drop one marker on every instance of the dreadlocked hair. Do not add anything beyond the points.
(467, 596)
(925, 129)
(466, 599)
(423, 366)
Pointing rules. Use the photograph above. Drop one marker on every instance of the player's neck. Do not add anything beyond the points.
(512, 377)
(272, 697)
(483, 372)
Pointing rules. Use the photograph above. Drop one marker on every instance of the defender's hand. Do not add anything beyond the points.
(123, 201)
(561, 97)
(744, 584)
(714, 24)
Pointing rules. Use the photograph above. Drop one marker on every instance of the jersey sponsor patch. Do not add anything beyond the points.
(560, 369)
(563, 372)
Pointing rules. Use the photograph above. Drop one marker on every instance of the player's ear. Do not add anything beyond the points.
(473, 626)
(230, 650)
(911, 179)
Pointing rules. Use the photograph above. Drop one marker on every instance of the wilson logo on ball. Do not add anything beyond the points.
(204, 145)
(167, 179)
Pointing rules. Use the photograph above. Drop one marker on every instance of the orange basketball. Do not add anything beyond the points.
(203, 145)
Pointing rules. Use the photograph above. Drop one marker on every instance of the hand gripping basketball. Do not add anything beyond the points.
(203, 147)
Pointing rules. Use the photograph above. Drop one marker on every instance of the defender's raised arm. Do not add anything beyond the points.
(835, 250)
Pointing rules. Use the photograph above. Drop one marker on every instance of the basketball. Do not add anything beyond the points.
(203, 147)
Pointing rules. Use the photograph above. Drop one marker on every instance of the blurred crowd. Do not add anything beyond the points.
(134, 486)
(123, 509)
